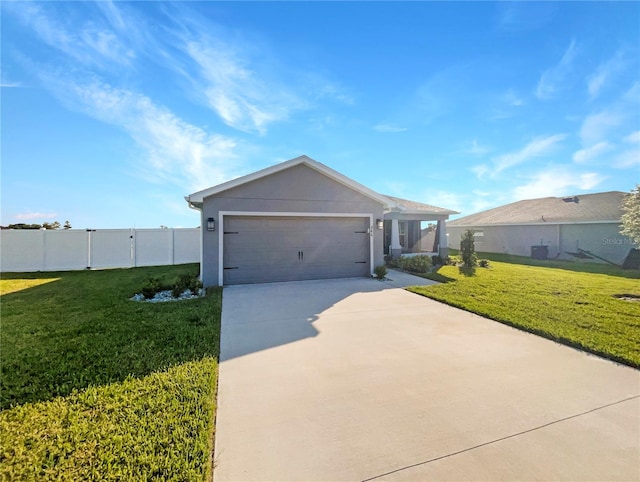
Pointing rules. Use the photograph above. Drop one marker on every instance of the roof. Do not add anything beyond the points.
(390, 203)
(586, 208)
(409, 207)
(196, 199)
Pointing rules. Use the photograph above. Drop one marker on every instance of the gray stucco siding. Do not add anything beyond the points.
(602, 239)
(299, 189)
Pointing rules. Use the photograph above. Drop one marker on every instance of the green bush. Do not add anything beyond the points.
(468, 249)
(454, 260)
(392, 262)
(416, 264)
(483, 263)
(153, 286)
(380, 271)
(185, 282)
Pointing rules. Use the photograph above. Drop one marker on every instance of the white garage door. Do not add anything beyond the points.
(269, 249)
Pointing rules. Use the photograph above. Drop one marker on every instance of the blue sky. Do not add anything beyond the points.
(113, 112)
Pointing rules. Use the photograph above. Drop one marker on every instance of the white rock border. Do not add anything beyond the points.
(167, 295)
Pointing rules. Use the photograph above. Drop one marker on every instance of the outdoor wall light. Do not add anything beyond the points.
(379, 223)
(211, 224)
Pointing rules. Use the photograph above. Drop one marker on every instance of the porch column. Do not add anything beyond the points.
(443, 248)
(396, 249)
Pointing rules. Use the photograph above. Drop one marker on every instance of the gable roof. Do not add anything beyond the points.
(587, 208)
(413, 207)
(196, 199)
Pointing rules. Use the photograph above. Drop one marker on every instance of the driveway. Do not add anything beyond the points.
(357, 379)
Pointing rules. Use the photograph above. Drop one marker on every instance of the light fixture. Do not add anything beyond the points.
(379, 223)
(211, 224)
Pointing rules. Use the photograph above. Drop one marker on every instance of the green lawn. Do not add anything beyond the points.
(98, 387)
(561, 301)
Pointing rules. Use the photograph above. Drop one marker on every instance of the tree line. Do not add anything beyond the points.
(45, 225)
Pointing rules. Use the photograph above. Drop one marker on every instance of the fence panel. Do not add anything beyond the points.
(153, 247)
(21, 250)
(111, 248)
(26, 250)
(186, 246)
(65, 250)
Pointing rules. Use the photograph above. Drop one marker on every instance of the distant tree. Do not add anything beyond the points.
(67, 225)
(631, 215)
(24, 226)
(53, 225)
(468, 249)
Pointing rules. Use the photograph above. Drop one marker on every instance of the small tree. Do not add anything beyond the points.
(53, 225)
(468, 249)
(67, 225)
(631, 215)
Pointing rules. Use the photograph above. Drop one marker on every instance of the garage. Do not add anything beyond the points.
(258, 249)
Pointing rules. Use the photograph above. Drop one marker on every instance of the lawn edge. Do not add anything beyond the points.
(542, 333)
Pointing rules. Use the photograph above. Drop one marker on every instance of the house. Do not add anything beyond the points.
(585, 227)
(302, 220)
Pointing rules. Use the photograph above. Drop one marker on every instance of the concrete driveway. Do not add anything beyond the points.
(356, 379)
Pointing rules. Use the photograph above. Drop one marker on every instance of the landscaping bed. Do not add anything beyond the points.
(566, 303)
(97, 387)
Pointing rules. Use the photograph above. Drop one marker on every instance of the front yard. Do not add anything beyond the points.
(562, 301)
(98, 387)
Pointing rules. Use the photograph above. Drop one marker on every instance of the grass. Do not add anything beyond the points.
(565, 302)
(98, 387)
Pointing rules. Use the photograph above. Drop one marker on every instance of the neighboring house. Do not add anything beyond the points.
(302, 220)
(585, 227)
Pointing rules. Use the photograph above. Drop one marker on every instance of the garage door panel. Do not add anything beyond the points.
(268, 249)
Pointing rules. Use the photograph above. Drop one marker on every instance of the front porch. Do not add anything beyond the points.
(414, 237)
(415, 228)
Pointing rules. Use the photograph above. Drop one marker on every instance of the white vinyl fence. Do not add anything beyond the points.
(23, 250)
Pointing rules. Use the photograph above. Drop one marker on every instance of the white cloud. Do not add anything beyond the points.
(480, 170)
(552, 80)
(477, 149)
(32, 216)
(512, 99)
(245, 99)
(596, 127)
(627, 159)
(633, 138)
(175, 151)
(444, 199)
(556, 181)
(93, 46)
(633, 94)
(538, 147)
(604, 73)
(593, 152)
(389, 128)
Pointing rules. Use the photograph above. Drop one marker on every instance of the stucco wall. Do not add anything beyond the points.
(603, 239)
(297, 189)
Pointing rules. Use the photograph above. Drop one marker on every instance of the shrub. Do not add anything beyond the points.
(483, 263)
(151, 287)
(468, 250)
(380, 271)
(185, 282)
(454, 260)
(416, 264)
(392, 262)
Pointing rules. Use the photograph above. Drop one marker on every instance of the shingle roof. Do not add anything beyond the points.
(413, 206)
(598, 207)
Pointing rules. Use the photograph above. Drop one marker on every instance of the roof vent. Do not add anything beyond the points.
(573, 199)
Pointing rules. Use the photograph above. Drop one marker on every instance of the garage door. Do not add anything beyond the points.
(269, 249)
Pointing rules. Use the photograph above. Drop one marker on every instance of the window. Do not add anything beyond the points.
(402, 231)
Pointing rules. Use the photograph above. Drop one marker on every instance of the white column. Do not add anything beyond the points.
(443, 248)
(396, 249)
